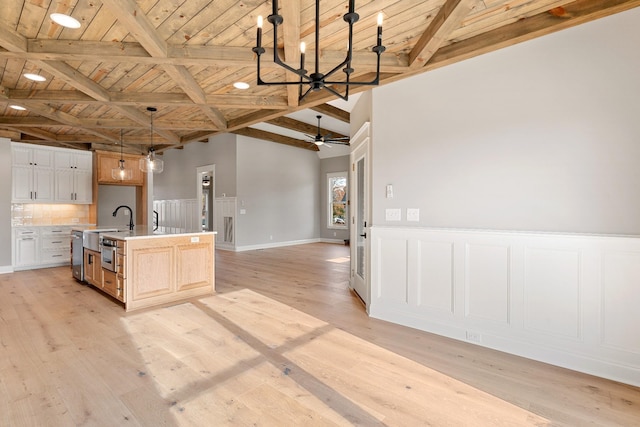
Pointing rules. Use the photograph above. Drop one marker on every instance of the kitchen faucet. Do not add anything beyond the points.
(130, 214)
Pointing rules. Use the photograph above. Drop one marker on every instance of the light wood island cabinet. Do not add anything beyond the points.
(160, 269)
(92, 268)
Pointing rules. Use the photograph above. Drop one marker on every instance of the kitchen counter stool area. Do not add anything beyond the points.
(142, 269)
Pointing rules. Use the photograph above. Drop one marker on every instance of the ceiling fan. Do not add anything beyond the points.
(320, 139)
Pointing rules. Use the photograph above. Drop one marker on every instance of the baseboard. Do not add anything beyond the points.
(275, 245)
(336, 241)
(4, 269)
(225, 246)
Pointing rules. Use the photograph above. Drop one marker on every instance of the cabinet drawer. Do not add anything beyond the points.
(55, 256)
(53, 243)
(62, 232)
(113, 284)
(26, 232)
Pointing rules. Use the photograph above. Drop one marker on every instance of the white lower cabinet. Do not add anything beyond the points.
(25, 247)
(39, 247)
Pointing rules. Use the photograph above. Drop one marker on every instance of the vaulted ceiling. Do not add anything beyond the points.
(183, 56)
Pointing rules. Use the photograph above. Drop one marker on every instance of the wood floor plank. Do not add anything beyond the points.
(283, 342)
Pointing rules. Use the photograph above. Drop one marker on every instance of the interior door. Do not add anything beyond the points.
(359, 221)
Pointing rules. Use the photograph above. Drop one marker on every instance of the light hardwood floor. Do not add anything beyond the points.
(283, 342)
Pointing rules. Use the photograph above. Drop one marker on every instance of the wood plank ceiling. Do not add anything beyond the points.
(183, 56)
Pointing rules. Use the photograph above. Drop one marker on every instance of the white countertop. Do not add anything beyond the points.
(72, 226)
(147, 234)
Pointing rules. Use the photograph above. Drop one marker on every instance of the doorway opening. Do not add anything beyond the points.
(206, 194)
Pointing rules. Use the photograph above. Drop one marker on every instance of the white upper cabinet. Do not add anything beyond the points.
(32, 174)
(73, 176)
(50, 175)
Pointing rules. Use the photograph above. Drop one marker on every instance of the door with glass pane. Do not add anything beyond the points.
(359, 224)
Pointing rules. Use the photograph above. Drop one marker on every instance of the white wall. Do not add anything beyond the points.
(541, 136)
(278, 189)
(5, 202)
(109, 198)
(178, 180)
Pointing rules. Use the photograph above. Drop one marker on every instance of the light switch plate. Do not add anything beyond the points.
(393, 214)
(389, 191)
(243, 211)
(413, 214)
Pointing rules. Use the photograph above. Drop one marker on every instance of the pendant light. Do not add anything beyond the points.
(151, 163)
(121, 172)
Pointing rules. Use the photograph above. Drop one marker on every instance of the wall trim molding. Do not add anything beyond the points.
(5, 269)
(275, 245)
(563, 299)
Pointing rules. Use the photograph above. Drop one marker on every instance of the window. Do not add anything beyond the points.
(337, 193)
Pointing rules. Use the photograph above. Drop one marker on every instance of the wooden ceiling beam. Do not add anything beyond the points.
(296, 125)
(13, 135)
(274, 137)
(331, 111)
(17, 44)
(136, 99)
(448, 18)
(11, 41)
(33, 121)
(138, 116)
(129, 14)
(133, 18)
(65, 118)
(73, 78)
(570, 15)
(223, 56)
(70, 76)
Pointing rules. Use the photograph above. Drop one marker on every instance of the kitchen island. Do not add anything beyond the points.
(149, 269)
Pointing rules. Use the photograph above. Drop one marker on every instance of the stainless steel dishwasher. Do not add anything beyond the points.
(77, 255)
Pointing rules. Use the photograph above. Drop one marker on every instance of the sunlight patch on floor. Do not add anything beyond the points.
(243, 358)
(340, 260)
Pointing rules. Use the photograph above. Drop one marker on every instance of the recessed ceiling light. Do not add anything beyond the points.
(35, 77)
(241, 85)
(65, 20)
(17, 107)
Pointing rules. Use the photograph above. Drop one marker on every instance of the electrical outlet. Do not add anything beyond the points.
(474, 336)
(413, 214)
(393, 215)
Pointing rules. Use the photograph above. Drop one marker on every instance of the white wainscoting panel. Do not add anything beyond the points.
(394, 272)
(177, 216)
(226, 208)
(552, 291)
(435, 275)
(620, 301)
(487, 282)
(565, 299)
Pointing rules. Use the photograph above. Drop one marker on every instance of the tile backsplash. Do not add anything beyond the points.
(43, 214)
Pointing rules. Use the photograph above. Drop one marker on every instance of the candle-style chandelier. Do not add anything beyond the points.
(317, 80)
